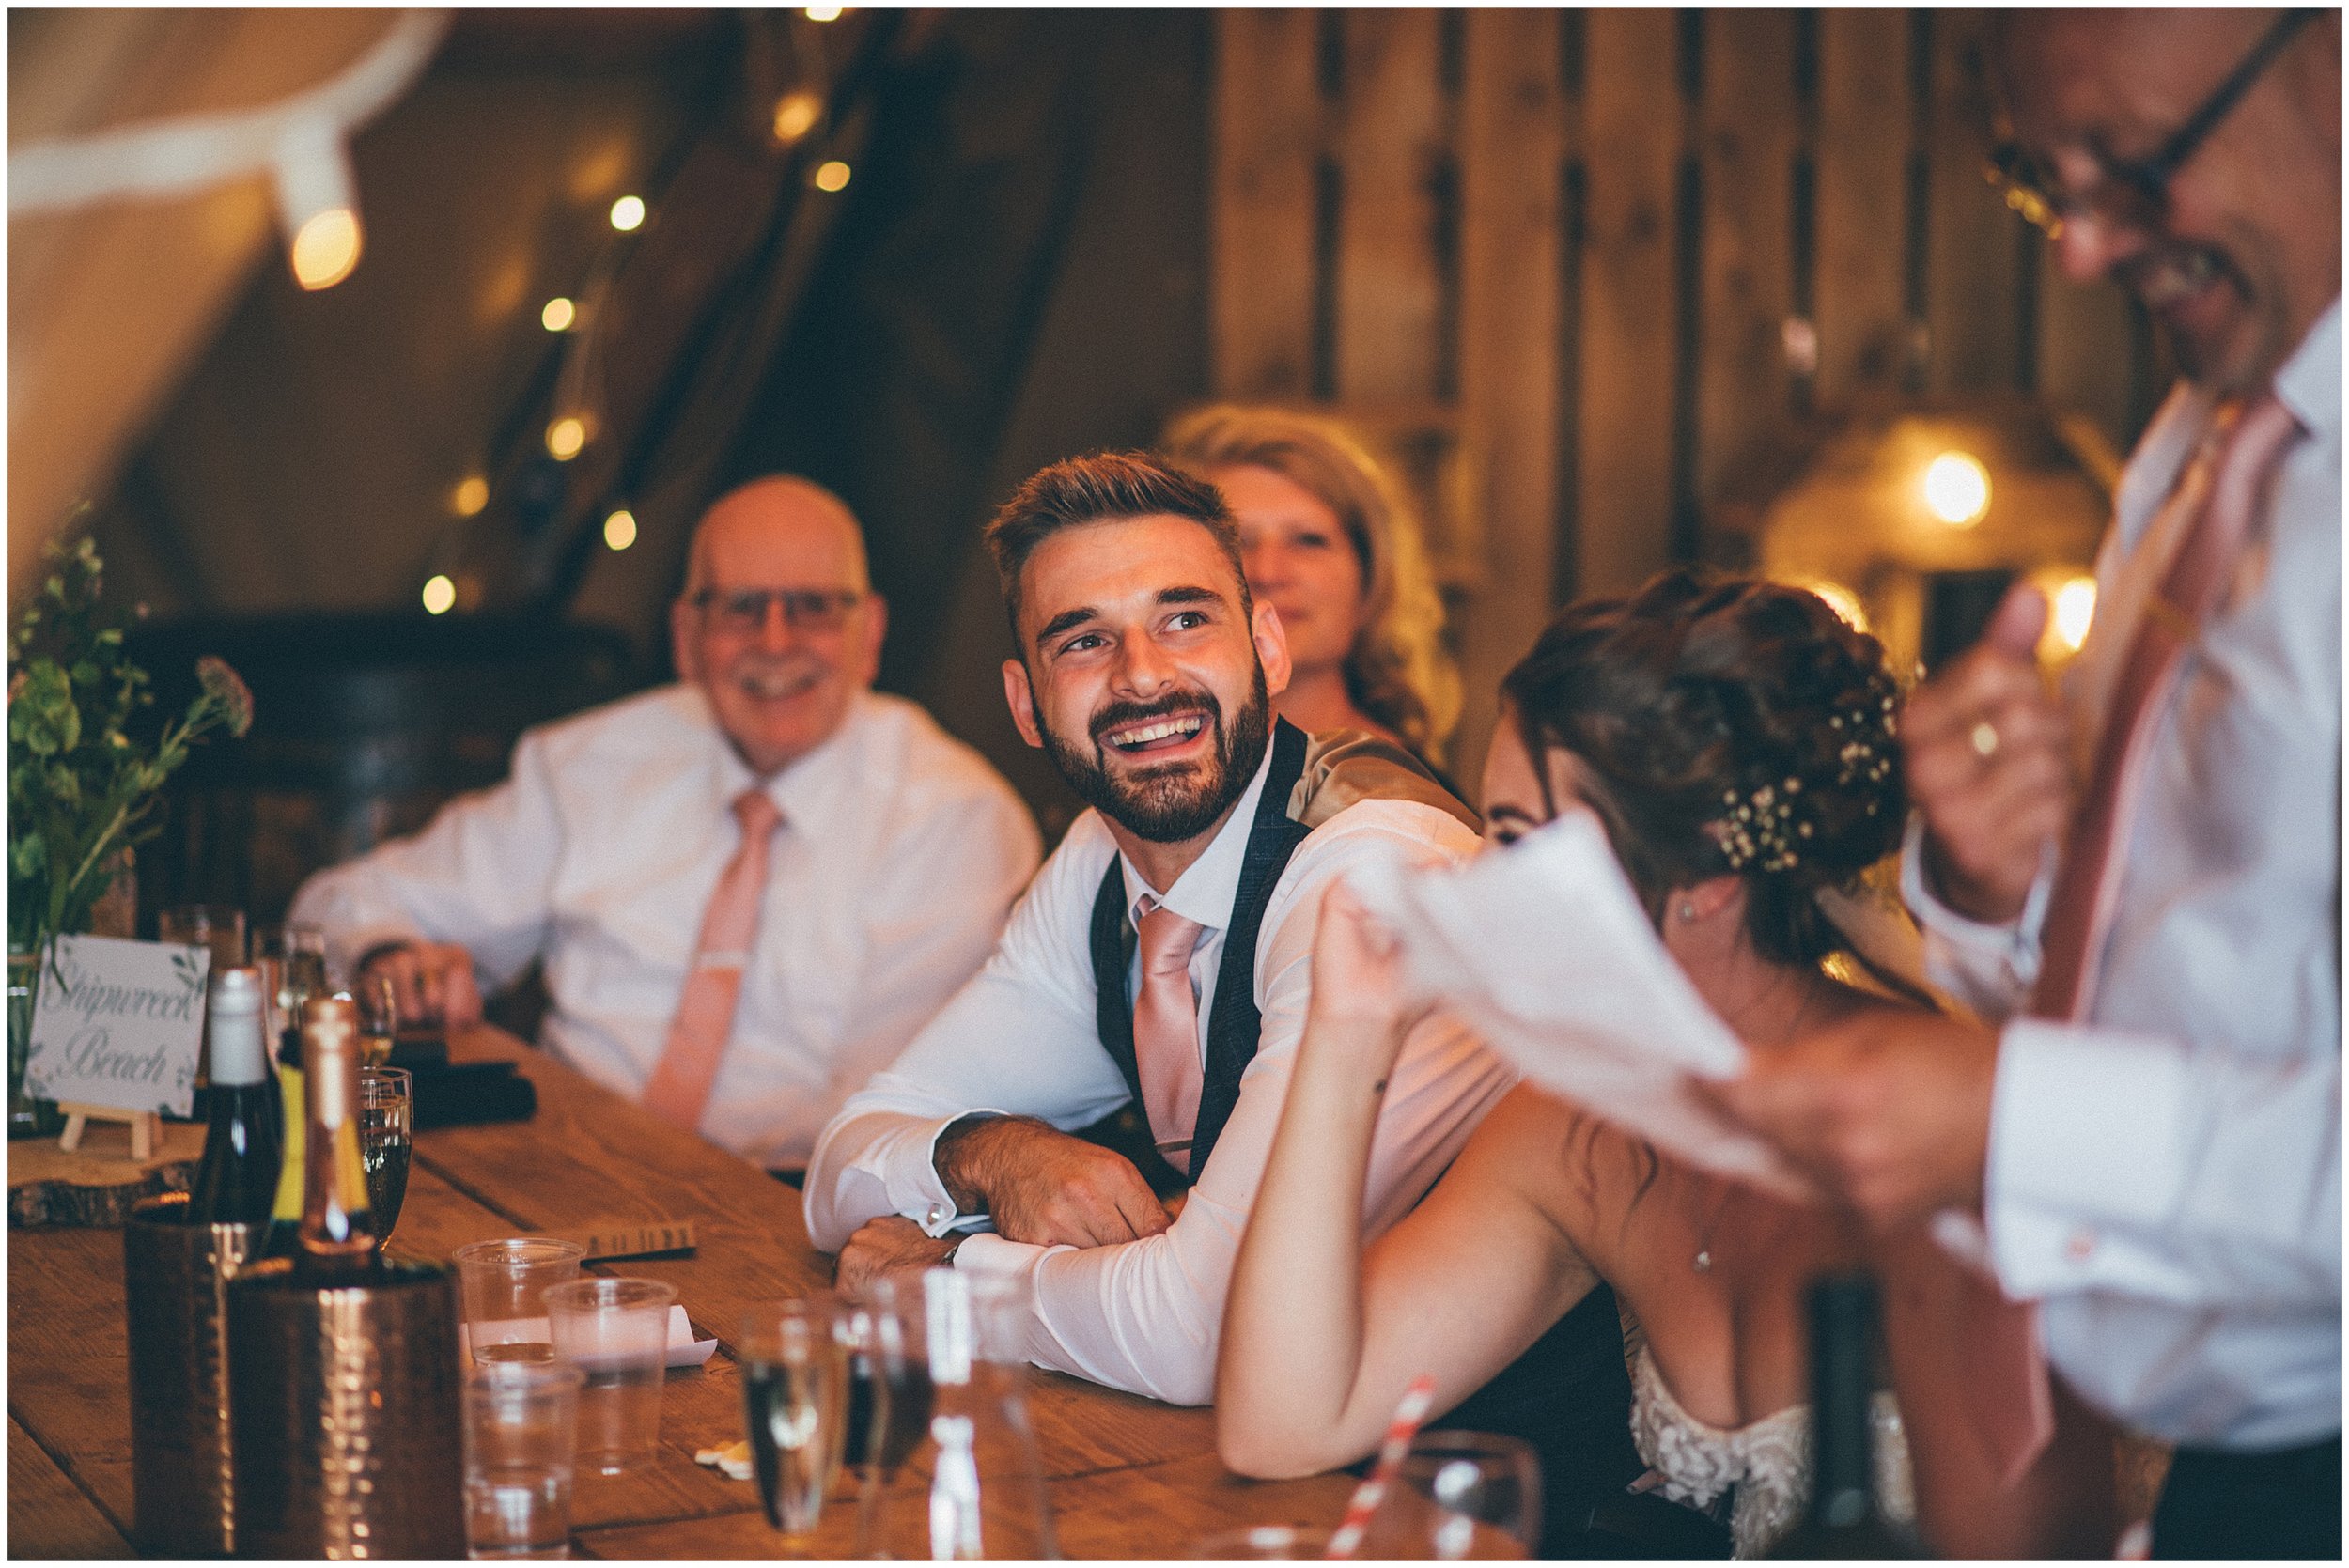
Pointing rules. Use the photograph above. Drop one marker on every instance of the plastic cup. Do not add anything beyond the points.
(616, 1332)
(503, 1285)
(522, 1428)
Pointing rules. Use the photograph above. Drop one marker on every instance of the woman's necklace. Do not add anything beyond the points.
(1703, 1262)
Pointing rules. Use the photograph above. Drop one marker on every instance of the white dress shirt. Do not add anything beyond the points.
(2166, 1178)
(1022, 1038)
(899, 854)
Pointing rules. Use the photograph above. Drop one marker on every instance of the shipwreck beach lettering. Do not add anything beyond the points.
(91, 997)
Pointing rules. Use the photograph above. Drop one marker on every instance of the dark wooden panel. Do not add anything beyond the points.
(1389, 289)
(1624, 510)
(1862, 150)
(1268, 129)
(1748, 276)
(1511, 142)
(1972, 285)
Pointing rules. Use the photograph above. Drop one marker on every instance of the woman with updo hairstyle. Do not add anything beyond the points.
(1736, 740)
(1329, 540)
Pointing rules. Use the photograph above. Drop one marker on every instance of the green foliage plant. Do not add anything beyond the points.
(84, 770)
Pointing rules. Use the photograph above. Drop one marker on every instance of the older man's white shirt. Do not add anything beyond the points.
(2166, 1178)
(1023, 1038)
(900, 853)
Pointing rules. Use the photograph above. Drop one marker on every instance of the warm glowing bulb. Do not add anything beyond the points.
(440, 594)
(628, 213)
(1957, 489)
(2075, 608)
(565, 436)
(326, 248)
(558, 315)
(796, 115)
(619, 529)
(833, 176)
(825, 14)
(473, 493)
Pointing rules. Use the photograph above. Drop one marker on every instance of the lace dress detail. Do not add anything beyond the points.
(1768, 1463)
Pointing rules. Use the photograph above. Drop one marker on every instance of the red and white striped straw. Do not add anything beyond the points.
(1347, 1538)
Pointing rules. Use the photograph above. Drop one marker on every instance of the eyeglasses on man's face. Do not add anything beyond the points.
(2135, 193)
(744, 611)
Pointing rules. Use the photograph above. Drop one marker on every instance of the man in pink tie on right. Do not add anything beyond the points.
(2140, 886)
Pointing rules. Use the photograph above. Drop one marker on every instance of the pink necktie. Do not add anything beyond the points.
(679, 1085)
(2011, 1404)
(1166, 1029)
(2228, 480)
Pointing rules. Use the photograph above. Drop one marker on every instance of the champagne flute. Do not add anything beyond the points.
(387, 1123)
(795, 1403)
(379, 1018)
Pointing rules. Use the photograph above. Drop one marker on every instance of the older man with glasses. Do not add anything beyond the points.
(2139, 886)
(749, 888)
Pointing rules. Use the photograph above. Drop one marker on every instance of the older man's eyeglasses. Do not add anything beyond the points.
(744, 611)
(2135, 193)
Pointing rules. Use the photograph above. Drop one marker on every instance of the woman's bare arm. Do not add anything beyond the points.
(1319, 1340)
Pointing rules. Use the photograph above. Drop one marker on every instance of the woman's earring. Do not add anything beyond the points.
(1688, 910)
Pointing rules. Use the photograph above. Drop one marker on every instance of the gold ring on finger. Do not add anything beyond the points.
(1985, 739)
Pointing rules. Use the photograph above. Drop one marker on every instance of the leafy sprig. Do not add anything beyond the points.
(84, 775)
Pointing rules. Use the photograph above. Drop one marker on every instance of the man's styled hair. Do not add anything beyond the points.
(1103, 487)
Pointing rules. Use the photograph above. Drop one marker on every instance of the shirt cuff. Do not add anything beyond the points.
(2014, 945)
(2087, 1144)
(914, 1187)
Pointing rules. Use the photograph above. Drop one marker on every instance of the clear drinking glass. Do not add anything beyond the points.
(378, 1017)
(1262, 1544)
(299, 953)
(503, 1286)
(617, 1331)
(1460, 1494)
(794, 1398)
(521, 1426)
(388, 1129)
(980, 1492)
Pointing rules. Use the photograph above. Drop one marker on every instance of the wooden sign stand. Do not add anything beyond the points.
(147, 1128)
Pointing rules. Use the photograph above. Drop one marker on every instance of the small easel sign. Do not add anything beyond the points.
(118, 1029)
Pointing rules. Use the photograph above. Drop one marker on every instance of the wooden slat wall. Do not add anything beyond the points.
(1675, 232)
(1268, 139)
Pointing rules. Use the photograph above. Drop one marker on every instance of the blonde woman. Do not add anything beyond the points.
(1331, 543)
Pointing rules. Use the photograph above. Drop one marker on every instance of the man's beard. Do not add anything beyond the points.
(1180, 801)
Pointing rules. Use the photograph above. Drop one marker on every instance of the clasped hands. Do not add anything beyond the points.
(1890, 1115)
(1039, 1184)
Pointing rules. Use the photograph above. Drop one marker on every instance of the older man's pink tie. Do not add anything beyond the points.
(680, 1082)
(1166, 1029)
(2224, 485)
(2230, 479)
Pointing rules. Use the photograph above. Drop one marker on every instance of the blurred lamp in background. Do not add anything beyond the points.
(1956, 488)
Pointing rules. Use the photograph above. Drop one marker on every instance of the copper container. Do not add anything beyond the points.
(346, 1415)
(175, 1277)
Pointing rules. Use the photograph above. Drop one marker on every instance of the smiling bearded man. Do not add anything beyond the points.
(1152, 986)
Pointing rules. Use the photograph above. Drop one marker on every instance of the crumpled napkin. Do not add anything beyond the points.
(733, 1458)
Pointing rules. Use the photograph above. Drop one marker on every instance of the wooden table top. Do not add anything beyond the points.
(1127, 1477)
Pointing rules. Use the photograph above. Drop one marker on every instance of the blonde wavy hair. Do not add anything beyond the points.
(1398, 671)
